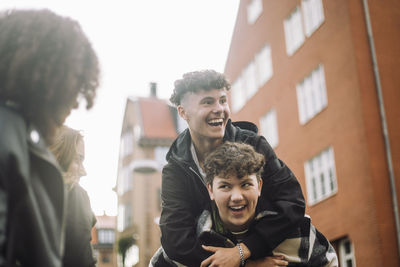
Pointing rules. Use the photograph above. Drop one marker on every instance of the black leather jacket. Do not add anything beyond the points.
(184, 196)
(32, 196)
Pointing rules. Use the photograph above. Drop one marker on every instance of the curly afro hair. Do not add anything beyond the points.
(46, 65)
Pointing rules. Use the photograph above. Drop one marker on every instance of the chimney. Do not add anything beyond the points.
(153, 89)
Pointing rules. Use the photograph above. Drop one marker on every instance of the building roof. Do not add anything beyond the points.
(105, 221)
(157, 120)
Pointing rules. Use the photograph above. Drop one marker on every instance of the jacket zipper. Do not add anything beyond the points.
(198, 175)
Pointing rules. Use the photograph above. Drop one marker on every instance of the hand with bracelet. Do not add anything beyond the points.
(222, 257)
(231, 257)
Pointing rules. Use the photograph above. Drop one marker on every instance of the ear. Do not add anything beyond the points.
(182, 112)
(260, 183)
(210, 191)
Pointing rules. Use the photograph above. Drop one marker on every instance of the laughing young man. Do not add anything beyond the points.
(233, 174)
(202, 101)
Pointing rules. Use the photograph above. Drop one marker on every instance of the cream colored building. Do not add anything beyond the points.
(149, 127)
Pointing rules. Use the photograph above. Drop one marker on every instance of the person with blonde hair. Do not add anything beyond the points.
(69, 150)
(47, 65)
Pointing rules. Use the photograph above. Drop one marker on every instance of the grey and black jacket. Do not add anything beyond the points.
(184, 197)
(305, 246)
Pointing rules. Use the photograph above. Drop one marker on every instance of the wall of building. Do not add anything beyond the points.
(361, 208)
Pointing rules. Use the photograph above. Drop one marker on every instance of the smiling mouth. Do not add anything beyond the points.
(237, 208)
(216, 122)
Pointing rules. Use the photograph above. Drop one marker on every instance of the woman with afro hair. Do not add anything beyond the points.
(47, 65)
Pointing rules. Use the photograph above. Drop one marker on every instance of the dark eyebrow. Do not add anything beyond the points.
(207, 98)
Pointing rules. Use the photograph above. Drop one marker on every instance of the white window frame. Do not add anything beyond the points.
(124, 218)
(311, 95)
(313, 14)
(264, 68)
(127, 143)
(125, 180)
(254, 10)
(106, 236)
(250, 80)
(294, 33)
(269, 127)
(255, 75)
(343, 255)
(121, 217)
(160, 153)
(320, 172)
(238, 95)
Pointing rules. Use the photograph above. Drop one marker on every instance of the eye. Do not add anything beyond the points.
(223, 101)
(246, 185)
(223, 186)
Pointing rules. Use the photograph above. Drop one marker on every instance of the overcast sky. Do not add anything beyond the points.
(137, 42)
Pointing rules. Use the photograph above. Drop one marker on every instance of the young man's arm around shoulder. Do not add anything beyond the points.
(281, 198)
(178, 218)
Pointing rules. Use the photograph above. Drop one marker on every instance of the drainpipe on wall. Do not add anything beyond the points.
(384, 125)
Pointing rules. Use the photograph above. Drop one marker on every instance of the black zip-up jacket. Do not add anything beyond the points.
(184, 196)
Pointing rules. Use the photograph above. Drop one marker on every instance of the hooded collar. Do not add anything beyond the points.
(180, 148)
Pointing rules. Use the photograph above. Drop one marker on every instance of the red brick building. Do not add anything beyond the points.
(303, 71)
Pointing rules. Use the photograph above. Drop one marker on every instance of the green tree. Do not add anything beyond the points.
(124, 243)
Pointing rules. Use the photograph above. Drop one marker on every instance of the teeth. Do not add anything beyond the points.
(216, 121)
(237, 207)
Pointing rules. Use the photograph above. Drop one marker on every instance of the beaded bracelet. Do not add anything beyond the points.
(242, 260)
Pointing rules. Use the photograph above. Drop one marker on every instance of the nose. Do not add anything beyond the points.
(218, 107)
(82, 171)
(236, 194)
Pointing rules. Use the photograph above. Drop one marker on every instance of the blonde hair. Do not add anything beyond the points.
(64, 149)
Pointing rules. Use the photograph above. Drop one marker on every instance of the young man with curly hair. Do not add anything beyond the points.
(201, 99)
(46, 65)
(233, 175)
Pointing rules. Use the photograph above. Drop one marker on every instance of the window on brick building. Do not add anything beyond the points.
(264, 65)
(320, 175)
(124, 219)
(313, 13)
(345, 252)
(254, 10)
(238, 95)
(125, 180)
(106, 236)
(250, 80)
(105, 258)
(254, 76)
(294, 35)
(269, 127)
(126, 147)
(311, 95)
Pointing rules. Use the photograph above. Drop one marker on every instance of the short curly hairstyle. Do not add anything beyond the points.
(236, 159)
(196, 81)
(46, 65)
